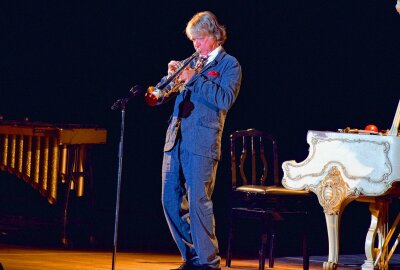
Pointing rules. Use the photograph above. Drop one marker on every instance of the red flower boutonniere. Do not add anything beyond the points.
(213, 73)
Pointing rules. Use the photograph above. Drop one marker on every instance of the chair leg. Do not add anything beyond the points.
(261, 252)
(263, 244)
(271, 244)
(306, 255)
(230, 239)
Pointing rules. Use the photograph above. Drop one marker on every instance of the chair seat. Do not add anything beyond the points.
(273, 190)
(266, 200)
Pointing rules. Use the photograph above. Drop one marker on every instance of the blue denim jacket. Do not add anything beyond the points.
(200, 110)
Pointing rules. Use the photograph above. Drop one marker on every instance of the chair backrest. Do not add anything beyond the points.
(254, 158)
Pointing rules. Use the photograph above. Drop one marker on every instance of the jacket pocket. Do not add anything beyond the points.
(209, 122)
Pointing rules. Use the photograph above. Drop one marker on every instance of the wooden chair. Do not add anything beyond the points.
(257, 192)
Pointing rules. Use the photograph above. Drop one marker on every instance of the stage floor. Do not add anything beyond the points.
(34, 258)
(25, 258)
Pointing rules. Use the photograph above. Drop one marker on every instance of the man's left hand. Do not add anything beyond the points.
(186, 75)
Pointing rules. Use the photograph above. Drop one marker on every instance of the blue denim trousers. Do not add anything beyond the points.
(187, 184)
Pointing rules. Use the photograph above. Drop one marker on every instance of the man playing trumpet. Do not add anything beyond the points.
(193, 142)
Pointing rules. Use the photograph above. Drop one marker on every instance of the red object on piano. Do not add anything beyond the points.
(371, 127)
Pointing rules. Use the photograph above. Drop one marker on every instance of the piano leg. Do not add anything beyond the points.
(333, 228)
(379, 209)
(332, 222)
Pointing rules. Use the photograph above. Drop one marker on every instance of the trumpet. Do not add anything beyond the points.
(171, 86)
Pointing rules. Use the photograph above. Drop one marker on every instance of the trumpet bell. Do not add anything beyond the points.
(150, 98)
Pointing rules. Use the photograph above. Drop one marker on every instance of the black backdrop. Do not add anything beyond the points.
(307, 65)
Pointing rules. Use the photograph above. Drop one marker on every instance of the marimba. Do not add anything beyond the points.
(49, 155)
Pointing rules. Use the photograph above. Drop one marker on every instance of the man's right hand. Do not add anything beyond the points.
(173, 67)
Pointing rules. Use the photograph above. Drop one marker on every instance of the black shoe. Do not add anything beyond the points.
(207, 267)
(185, 266)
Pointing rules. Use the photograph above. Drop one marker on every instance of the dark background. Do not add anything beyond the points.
(307, 65)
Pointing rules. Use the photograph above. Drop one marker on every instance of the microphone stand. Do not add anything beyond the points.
(119, 104)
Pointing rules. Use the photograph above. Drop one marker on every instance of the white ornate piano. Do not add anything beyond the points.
(352, 165)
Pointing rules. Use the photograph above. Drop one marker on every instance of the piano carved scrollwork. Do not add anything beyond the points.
(332, 191)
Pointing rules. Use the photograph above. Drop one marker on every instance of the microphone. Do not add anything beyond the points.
(135, 90)
(121, 103)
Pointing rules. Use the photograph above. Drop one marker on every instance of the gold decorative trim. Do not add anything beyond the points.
(332, 191)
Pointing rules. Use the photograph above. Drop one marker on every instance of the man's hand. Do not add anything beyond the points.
(186, 75)
(173, 67)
